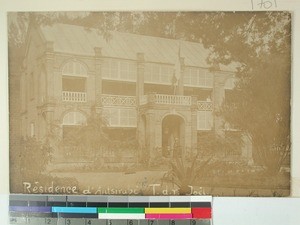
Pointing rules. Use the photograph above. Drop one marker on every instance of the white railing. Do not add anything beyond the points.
(204, 105)
(173, 99)
(119, 100)
(143, 100)
(70, 96)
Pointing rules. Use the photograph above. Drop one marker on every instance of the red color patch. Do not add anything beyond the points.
(201, 213)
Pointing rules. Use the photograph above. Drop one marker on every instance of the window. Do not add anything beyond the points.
(204, 120)
(72, 122)
(121, 117)
(74, 79)
(118, 88)
(113, 69)
(158, 73)
(74, 68)
(74, 84)
(198, 77)
(74, 118)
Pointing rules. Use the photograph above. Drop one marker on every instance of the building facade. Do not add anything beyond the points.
(160, 90)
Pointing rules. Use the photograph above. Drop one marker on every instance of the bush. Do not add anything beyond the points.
(35, 156)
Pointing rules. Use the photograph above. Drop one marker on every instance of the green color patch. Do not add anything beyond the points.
(121, 210)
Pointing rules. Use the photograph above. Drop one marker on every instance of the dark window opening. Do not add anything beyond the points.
(158, 89)
(74, 84)
(202, 95)
(118, 88)
(121, 134)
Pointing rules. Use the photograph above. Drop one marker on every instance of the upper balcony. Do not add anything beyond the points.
(179, 100)
(131, 101)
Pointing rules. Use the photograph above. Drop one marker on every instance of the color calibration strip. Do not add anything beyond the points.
(90, 210)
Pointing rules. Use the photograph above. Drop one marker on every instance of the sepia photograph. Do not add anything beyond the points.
(150, 103)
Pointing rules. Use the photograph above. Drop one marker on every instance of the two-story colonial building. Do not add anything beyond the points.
(161, 90)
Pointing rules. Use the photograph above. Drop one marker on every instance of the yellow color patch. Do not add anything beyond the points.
(167, 210)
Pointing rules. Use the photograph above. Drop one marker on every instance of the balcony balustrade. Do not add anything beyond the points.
(173, 99)
(161, 99)
(118, 100)
(204, 105)
(70, 96)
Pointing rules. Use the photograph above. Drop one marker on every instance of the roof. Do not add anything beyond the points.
(82, 41)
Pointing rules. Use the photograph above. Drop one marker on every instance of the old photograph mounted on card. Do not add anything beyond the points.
(150, 103)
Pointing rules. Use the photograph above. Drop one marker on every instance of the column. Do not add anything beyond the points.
(218, 98)
(150, 132)
(194, 139)
(141, 126)
(98, 77)
(180, 87)
(50, 90)
(52, 96)
(158, 133)
(140, 76)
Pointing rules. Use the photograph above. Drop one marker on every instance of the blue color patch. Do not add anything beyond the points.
(74, 210)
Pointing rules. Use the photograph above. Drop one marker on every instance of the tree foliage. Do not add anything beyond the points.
(35, 157)
(90, 136)
(260, 104)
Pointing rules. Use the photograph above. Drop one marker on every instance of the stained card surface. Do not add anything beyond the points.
(150, 103)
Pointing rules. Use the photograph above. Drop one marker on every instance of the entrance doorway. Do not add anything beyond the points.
(172, 136)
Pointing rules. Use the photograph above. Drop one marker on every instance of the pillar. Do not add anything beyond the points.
(140, 76)
(98, 77)
(194, 138)
(50, 92)
(180, 88)
(141, 126)
(52, 96)
(150, 132)
(158, 133)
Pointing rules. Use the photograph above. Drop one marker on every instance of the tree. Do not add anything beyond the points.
(88, 138)
(92, 135)
(35, 156)
(260, 104)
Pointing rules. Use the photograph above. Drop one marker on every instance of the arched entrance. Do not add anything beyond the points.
(173, 136)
